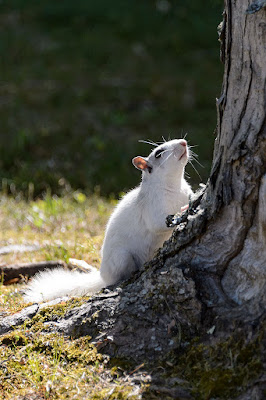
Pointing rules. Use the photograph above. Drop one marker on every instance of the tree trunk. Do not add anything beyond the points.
(224, 243)
(209, 279)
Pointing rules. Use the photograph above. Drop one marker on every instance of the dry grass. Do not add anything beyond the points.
(72, 226)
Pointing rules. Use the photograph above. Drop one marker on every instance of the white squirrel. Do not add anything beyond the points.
(135, 230)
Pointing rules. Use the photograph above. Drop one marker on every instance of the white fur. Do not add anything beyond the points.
(135, 230)
(55, 283)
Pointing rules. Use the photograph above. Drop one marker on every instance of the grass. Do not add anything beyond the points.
(70, 226)
(83, 81)
(48, 366)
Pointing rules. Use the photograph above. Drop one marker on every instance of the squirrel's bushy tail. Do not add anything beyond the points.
(49, 285)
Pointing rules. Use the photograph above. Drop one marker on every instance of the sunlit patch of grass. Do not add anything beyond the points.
(55, 367)
(11, 299)
(71, 226)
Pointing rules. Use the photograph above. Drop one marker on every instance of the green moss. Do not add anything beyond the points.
(53, 313)
(222, 370)
(49, 365)
(55, 366)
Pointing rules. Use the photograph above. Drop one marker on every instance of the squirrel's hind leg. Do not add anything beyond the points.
(118, 266)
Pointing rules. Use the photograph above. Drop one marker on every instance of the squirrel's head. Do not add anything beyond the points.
(166, 161)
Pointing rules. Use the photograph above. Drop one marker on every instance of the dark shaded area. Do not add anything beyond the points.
(83, 81)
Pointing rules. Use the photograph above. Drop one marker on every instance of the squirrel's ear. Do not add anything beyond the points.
(141, 164)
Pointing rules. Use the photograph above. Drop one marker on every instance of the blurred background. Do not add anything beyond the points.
(81, 81)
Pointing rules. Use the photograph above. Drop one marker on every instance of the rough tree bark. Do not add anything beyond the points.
(224, 243)
(211, 275)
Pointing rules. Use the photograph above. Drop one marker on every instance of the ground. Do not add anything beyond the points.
(50, 366)
(36, 363)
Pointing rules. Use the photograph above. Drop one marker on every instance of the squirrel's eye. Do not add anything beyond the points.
(158, 153)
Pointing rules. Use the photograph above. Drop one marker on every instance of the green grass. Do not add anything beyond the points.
(83, 81)
(70, 226)
(49, 366)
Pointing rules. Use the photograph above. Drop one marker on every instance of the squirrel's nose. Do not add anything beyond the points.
(183, 142)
